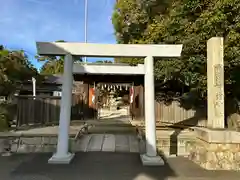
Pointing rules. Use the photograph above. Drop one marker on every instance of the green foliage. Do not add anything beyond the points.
(14, 67)
(52, 65)
(105, 61)
(4, 117)
(187, 22)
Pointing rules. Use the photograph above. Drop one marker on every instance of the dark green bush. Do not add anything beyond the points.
(4, 116)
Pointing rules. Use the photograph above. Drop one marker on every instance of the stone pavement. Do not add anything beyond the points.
(114, 113)
(108, 143)
(104, 166)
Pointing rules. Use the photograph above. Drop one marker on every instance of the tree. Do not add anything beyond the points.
(14, 68)
(191, 23)
(52, 65)
(105, 62)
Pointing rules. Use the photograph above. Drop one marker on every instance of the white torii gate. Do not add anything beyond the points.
(62, 155)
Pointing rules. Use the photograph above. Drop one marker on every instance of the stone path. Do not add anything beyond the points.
(111, 113)
(109, 143)
(104, 166)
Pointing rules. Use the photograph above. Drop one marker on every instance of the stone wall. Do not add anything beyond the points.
(216, 150)
(174, 143)
(171, 142)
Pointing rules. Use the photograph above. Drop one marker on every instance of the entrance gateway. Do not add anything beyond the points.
(72, 50)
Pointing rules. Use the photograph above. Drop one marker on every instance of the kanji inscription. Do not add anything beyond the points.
(219, 96)
(218, 73)
(218, 111)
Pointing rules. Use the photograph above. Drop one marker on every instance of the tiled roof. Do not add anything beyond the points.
(54, 79)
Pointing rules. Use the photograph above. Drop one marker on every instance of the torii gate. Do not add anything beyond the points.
(147, 51)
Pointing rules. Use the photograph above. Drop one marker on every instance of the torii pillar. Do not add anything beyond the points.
(62, 156)
(150, 158)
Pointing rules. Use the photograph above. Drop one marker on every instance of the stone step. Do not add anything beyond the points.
(100, 124)
(108, 143)
(111, 129)
(85, 143)
(96, 142)
(109, 123)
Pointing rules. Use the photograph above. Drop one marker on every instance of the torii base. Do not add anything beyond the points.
(151, 161)
(61, 160)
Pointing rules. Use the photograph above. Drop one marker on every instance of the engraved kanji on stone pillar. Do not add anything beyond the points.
(215, 82)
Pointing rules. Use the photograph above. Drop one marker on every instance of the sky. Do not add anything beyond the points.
(23, 22)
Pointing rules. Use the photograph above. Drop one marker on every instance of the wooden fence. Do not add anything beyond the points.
(46, 110)
(172, 113)
(38, 110)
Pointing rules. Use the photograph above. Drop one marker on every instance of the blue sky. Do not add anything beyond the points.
(23, 22)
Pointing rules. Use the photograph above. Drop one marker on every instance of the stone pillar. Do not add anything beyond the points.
(215, 82)
(62, 156)
(150, 158)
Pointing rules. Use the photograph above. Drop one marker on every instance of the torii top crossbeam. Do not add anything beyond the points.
(108, 50)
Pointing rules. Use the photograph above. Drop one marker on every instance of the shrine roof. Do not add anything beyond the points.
(109, 78)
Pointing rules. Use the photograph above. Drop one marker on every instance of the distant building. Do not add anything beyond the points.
(51, 85)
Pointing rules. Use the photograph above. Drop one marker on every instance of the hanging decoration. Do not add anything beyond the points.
(131, 94)
(114, 87)
(93, 95)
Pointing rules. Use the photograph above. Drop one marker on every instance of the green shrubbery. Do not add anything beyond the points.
(5, 116)
(187, 22)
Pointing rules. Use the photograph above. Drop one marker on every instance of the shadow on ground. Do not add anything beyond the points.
(104, 166)
(91, 166)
